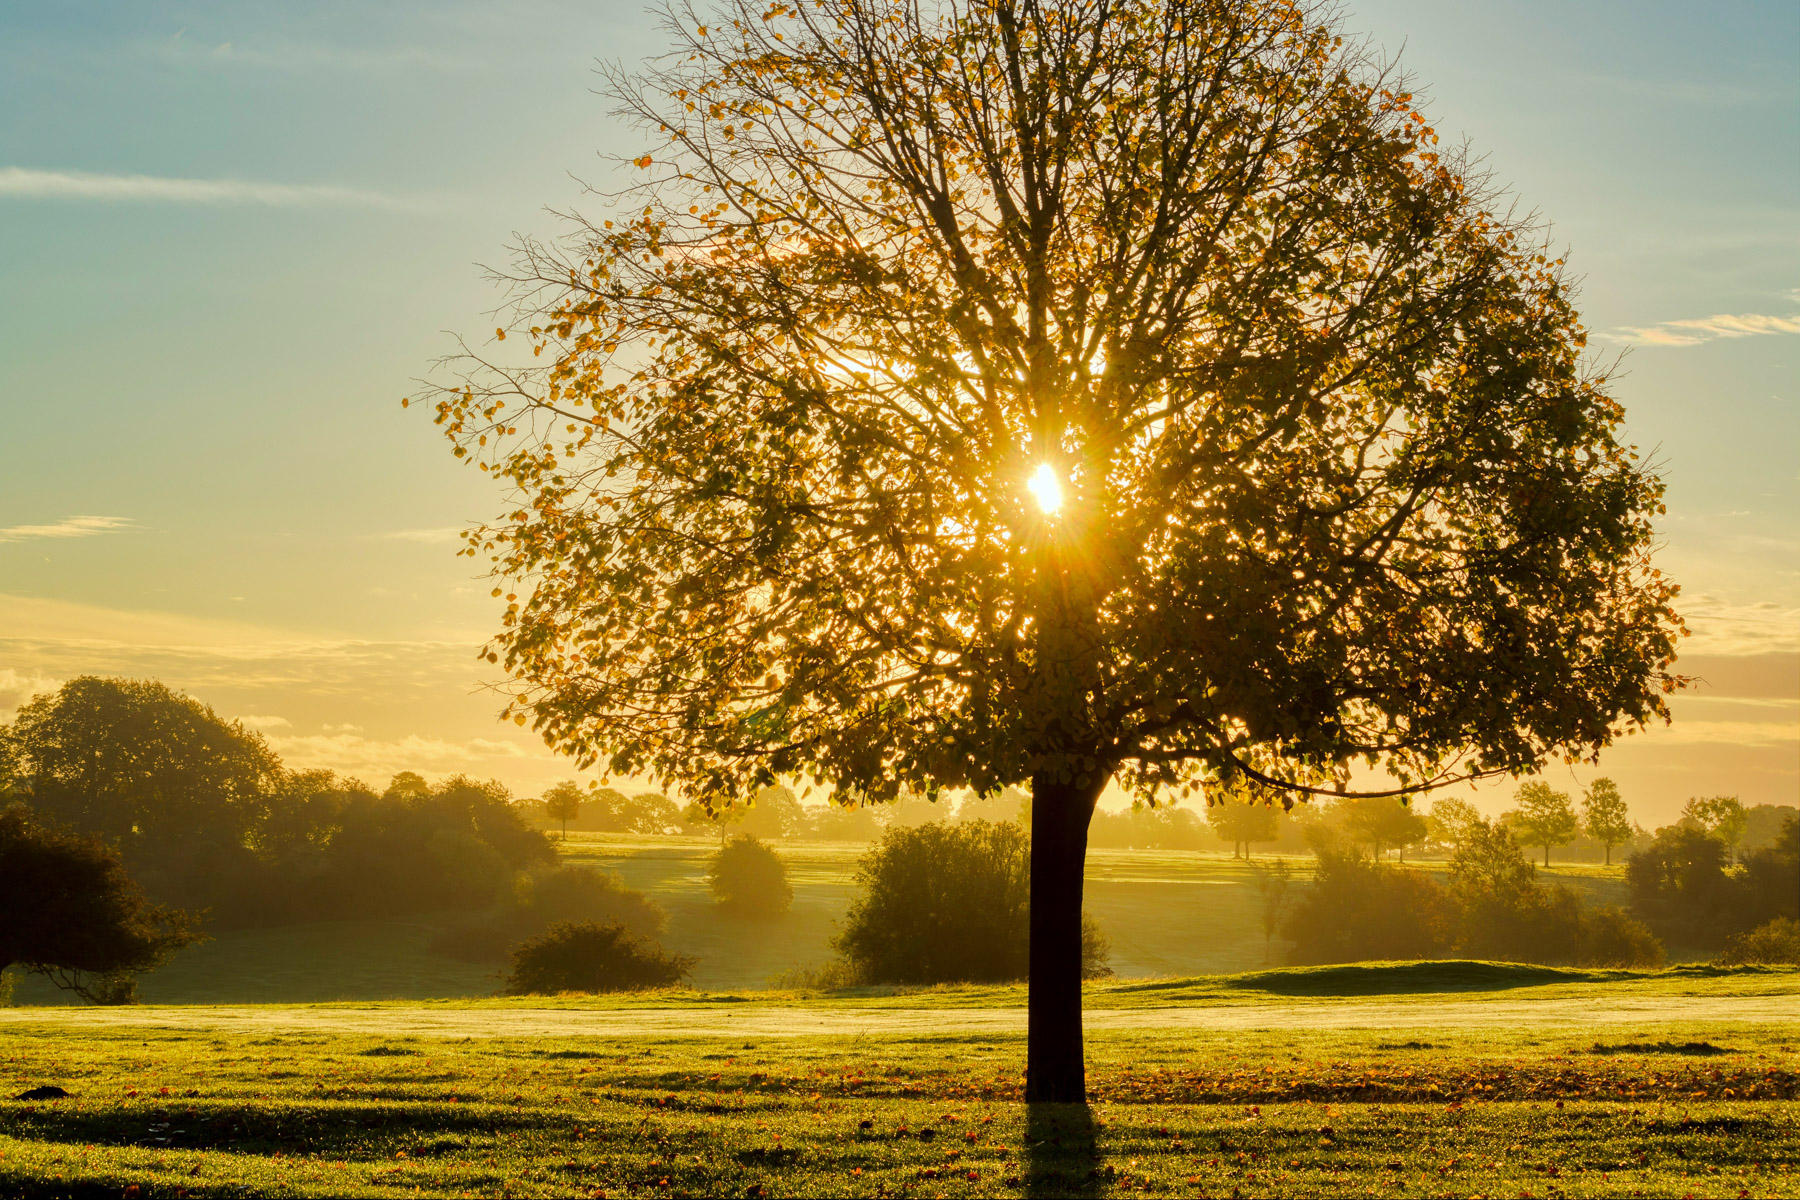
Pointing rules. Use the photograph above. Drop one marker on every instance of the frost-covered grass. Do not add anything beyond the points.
(1657, 1091)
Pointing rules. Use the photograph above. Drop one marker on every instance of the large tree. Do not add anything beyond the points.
(148, 769)
(1055, 391)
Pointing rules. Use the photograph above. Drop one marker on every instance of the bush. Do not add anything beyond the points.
(949, 904)
(1611, 937)
(747, 877)
(1776, 942)
(550, 895)
(546, 897)
(1358, 910)
(587, 957)
(1680, 885)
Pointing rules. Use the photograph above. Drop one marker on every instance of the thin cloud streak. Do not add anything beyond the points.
(1695, 331)
(26, 183)
(432, 537)
(68, 527)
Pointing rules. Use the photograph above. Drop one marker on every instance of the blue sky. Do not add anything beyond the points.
(231, 235)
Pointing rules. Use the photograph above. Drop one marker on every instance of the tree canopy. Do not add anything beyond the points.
(1336, 481)
(1544, 817)
(1604, 816)
(972, 393)
(130, 760)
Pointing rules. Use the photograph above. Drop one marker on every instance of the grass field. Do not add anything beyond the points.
(1167, 914)
(1408, 1079)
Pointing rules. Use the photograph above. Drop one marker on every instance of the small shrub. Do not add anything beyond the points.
(747, 877)
(949, 904)
(1775, 942)
(587, 957)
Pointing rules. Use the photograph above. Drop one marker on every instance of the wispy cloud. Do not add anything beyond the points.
(293, 57)
(434, 537)
(27, 183)
(17, 687)
(377, 759)
(1693, 331)
(68, 527)
(256, 722)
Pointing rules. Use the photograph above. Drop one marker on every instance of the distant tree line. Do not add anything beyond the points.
(1682, 888)
(199, 814)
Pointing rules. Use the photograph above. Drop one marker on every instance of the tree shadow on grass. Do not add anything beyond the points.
(1060, 1155)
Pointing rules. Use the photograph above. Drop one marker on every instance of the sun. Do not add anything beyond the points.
(1046, 489)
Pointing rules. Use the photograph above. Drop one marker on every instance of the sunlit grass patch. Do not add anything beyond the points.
(1412, 1110)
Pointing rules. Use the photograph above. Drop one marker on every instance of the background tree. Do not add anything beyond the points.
(844, 823)
(69, 911)
(1679, 885)
(156, 773)
(1002, 393)
(1544, 816)
(1357, 909)
(1722, 816)
(747, 877)
(1451, 820)
(1764, 824)
(1242, 822)
(1604, 816)
(562, 803)
(774, 812)
(1009, 804)
(1379, 822)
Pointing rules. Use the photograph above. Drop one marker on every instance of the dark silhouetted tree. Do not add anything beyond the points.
(974, 395)
(156, 773)
(70, 912)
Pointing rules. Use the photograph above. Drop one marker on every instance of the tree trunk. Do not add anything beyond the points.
(1609, 854)
(1055, 1071)
(1546, 854)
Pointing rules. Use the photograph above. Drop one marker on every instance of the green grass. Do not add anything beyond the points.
(1167, 913)
(1603, 1092)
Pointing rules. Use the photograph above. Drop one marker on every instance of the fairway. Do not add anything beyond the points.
(1473, 996)
(1433, 1079)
